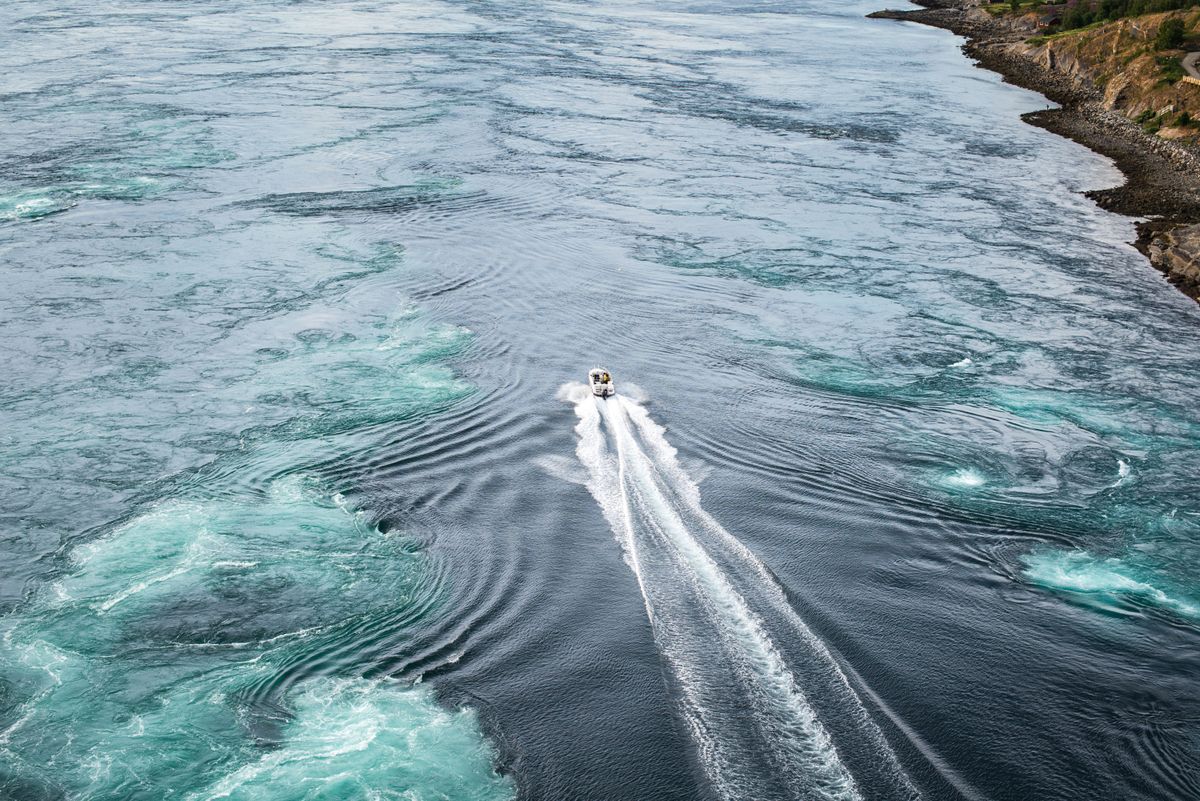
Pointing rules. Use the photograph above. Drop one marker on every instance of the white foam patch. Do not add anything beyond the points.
(756, 731)
(321, 557)
(357, 739)
(1124, 473)
(44, 659)
(1081, 572)
(965, 477)
(104, 723)
(141, 586)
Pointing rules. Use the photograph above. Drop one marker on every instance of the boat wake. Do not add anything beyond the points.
(758, 732)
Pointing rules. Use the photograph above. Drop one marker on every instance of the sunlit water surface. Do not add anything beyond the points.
(302, 497)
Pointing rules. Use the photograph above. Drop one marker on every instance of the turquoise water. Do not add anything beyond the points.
(160, 660)
(300, 496)
(1113, 580)
(154, 655)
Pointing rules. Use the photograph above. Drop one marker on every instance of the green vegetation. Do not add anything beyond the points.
(1171, 69)
(1084, 13)
(1152, 125)
(999, 7)
(1151, 121)
(1170, 34)
(1047, 37)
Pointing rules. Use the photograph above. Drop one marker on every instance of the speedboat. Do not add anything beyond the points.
(601, 382)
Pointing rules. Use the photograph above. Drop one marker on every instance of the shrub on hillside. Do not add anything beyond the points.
(1170, 34)
(1170, 69)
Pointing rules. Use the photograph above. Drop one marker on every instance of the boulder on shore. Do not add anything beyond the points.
(1176, 252)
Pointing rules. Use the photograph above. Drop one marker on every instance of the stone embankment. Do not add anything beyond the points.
(1097, 99)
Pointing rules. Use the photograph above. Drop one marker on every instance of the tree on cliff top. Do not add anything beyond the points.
(1170, 34)
(1081, 13)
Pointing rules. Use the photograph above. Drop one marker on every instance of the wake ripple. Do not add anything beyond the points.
(757, 731)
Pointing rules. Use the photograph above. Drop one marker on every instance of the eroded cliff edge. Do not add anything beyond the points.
(1119, 95)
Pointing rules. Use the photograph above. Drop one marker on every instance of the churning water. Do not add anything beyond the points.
(292, 505)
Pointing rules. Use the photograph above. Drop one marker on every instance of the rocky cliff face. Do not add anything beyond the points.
(1115, 68)
(1118, 61)
(1176, 252)
(1118, 95)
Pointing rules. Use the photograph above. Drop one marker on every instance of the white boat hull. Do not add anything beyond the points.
(601, 383)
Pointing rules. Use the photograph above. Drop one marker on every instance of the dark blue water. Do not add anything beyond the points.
(302, 496)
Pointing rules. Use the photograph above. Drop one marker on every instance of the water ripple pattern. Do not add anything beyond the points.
(757, 732)
(287, 288)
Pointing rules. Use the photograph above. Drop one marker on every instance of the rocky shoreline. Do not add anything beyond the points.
(1162, 178)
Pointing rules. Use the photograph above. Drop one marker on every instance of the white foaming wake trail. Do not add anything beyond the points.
(757, 731)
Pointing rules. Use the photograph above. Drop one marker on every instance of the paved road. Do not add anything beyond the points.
(1189, 63)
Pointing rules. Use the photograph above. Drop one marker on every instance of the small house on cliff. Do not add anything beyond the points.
(1050, 17)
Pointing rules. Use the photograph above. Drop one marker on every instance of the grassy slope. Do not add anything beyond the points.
(1119, 59)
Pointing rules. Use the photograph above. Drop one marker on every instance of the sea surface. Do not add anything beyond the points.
(302, 495)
